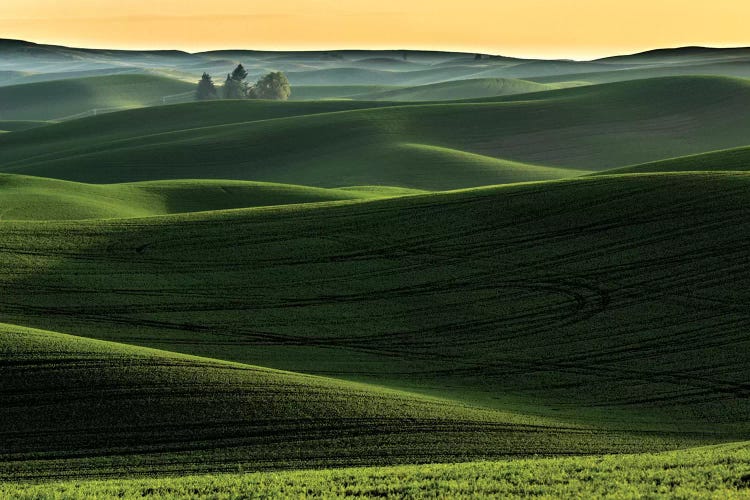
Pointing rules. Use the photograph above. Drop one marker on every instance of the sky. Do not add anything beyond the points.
(575, 29)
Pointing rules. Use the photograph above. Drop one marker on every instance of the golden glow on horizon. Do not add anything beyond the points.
(543, 28)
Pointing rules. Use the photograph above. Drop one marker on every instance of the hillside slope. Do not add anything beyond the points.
(318, 92)
(596, 128)
(63, 98)
(13, 125)
(139, 123)
(736, 159)
(461, 89)
(79, 407)
(35, 198)
(615, 301)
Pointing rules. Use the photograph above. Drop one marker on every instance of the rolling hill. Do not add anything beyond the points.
(422, 260)
(504, 303)
(12, 125)
(60, 99)
(35, 198)
(159, 411)
(25, 62)
(344, 76)
(317, 92)
(136, 123)
(594, 128)
(509, 297)
(736, 159)
(461, 89)
(672, 55)
(727, 68)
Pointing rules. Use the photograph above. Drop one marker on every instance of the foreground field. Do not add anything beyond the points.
(121, 410)
(464, 275)
(718, 472)
(595, 315)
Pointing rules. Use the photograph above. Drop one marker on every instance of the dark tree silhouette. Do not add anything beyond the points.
(235, 86)
(206, 88)
(239, 74)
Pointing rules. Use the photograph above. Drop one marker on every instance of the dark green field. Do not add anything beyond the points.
(427, 277)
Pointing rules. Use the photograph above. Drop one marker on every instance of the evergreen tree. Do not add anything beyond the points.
(206, 88)
(235, 86)
(234, 89)
(272, 86)
(239, 74)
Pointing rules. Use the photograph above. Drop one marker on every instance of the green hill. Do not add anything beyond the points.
(375, 75)
(11, 125)
(59, 99)
(344, 76)
(144, 122)
(9, 77)
(596, 128)
(112, 410)
(426, 275)
(727, 68)
(35, 198)
(461, 89)
(736, 159)
(313, 92)
(684, 54)
(611, 301)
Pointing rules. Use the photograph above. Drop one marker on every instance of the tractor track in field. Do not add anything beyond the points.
(515, 296)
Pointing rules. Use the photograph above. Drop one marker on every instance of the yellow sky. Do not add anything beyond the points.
(579, 29)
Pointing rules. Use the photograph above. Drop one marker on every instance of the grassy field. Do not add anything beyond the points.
(456, 296)
(735, 159)
(570, 130)
(733, 68)
(60, 99)
(702, 473)
(135, 124)
(35, 198)
(11, 125)
(460, 89)
(317, 92)
(121, 410)
(431, 275)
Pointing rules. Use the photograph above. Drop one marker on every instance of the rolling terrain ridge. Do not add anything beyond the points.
(568, 130)
(510, 299)
(424, 258)
(122, 410)
(67, 98)
(35, 198)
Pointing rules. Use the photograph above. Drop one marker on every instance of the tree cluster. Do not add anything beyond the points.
(274, 86)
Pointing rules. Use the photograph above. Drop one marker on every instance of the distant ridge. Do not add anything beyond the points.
(682, 51)
(6, 43)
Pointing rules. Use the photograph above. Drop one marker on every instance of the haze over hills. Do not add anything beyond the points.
(399, 74)
(421, 258)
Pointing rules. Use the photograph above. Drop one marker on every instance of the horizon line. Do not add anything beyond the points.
(457, 50)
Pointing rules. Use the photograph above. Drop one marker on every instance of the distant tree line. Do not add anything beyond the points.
(274, 86)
